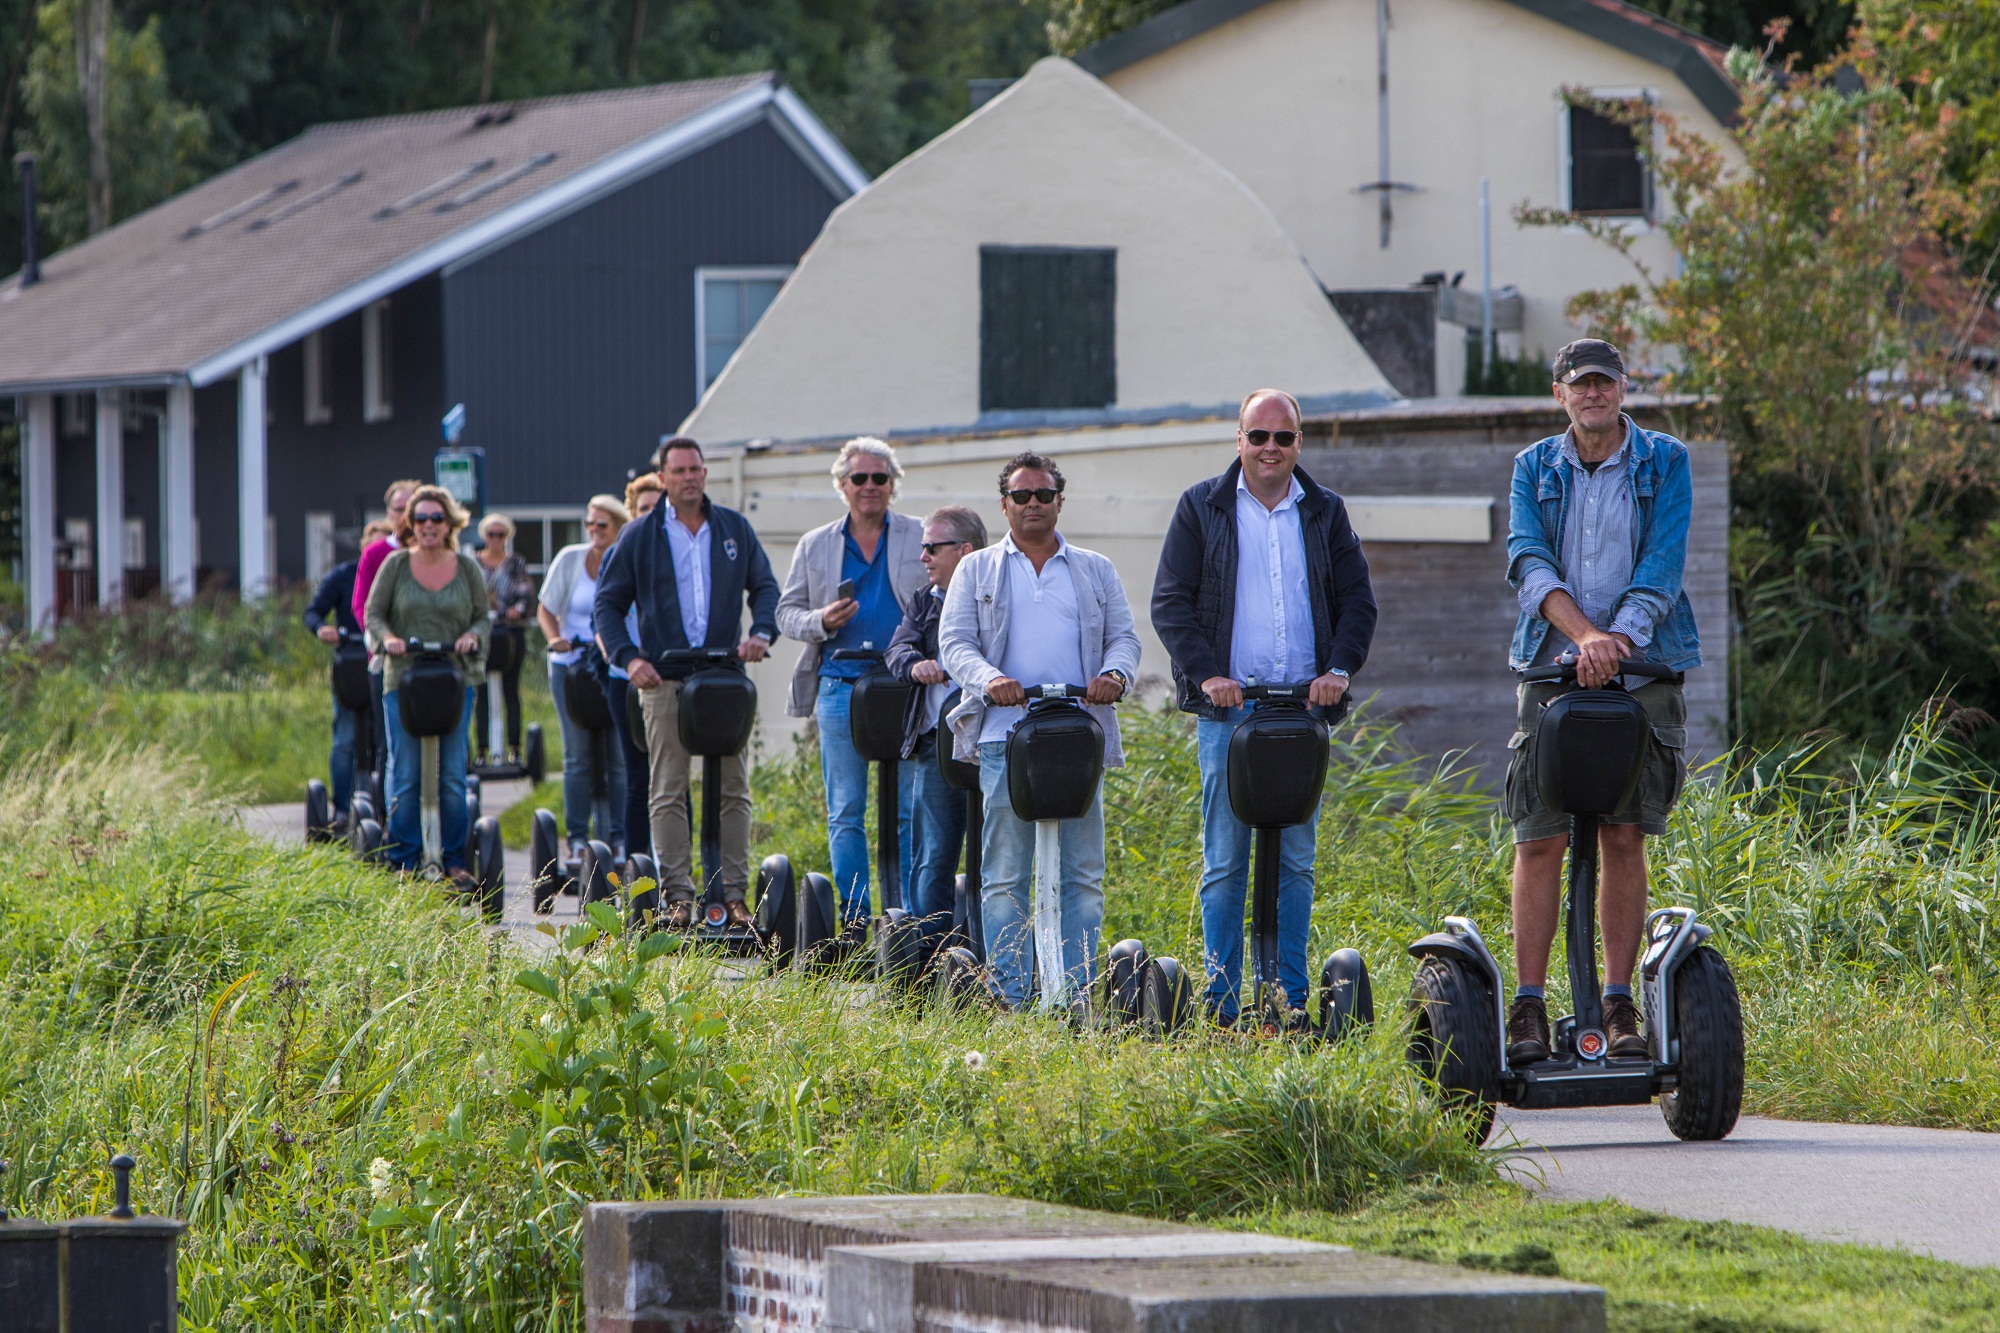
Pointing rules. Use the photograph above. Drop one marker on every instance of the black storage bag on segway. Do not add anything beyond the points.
(350, 676)
(1277, 767)
(503, 649)
(1055, 757)
(1589, 747)
(717, 712)
(875, 713)
(583, 692)
(431, 698)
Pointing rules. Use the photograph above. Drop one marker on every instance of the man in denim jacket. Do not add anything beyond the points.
(1596, 549)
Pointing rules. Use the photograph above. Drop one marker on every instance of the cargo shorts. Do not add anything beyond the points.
(1662, 773)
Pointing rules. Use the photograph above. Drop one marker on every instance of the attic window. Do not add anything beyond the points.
(1606, 174)
(434, 189)
(235, 211)
(504, 179)
(305, 201)
(377, 403)
(1047, 327)
(318, 409)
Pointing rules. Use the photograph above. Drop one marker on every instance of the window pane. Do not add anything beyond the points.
(528, 542)
(758, 293)
(1606, 175)
(722, 304)
(715, 355)
(1047, 328)
(566, 531)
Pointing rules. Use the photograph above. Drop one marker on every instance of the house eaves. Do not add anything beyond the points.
(1692, 58)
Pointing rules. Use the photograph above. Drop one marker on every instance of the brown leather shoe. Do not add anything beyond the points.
(1621, 1024)
(739, 915)
(680, 914)
(1527, 1031)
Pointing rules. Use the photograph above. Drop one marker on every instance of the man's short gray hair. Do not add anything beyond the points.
(843, 463)
(959, 523)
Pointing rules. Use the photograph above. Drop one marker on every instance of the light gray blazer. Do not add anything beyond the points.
(813, 580)
(972, 637)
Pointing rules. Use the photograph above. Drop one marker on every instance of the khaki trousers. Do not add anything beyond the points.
(667, 791)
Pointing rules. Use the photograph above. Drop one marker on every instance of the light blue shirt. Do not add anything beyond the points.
(1044, 638)
(1272, 637)
(1597, 553)
(690, 553)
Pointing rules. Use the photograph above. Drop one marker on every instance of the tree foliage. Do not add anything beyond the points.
(1818, 308)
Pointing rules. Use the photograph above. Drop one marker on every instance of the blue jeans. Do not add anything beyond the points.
(406, 829)
(1007, 862)
(1225, 852)
(846, 774)
(940, 835)
(638, 819)
(340, 760)
(578, 743)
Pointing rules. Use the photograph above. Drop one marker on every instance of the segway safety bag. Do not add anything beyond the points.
(718, 709)
(875, 713)
(1277, 767)
(1589, 747)
(584, 697)
(958, 775)
(1055, 757)
(503, 649)
(431, 698)
(350, 677)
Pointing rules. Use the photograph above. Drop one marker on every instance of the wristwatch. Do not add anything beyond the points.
(1124, 681)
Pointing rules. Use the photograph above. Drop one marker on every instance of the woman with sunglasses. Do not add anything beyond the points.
(510, 591)
(427, 590)
(569, 596)
(642, 494)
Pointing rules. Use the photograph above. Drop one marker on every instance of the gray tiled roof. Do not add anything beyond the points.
(304, 227)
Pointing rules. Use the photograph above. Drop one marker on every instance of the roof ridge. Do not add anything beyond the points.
(329, 127)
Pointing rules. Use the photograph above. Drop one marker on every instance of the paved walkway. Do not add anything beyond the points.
(1931, 1191)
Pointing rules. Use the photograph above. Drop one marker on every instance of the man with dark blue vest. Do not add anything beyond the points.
(690, 567)
(1261, 578)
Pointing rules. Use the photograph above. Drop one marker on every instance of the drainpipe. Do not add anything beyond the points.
(31, 248)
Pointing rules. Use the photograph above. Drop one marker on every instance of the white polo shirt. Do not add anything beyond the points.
(1044, 639)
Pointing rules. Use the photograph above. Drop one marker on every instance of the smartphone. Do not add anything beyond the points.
(846, 591)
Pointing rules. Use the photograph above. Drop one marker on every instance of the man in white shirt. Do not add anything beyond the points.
(1034, 610)
(1261, 578)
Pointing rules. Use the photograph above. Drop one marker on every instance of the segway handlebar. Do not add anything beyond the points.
(699, 657)
(1565, 669)
(866, 653)
(1254, 693)
(1038, 693)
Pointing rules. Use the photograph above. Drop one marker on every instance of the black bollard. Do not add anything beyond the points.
(30, 1274)
(119, 1271)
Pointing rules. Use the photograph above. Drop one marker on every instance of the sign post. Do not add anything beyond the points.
(461, 470)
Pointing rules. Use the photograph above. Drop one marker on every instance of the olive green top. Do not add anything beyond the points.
(401, 607)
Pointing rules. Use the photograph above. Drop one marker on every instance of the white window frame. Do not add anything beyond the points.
(1627, 93)
(319, 544)
(314, 351)
(377, 351)
(702, 276)
(540, 516)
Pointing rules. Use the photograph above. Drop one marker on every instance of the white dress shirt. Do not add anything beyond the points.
(690, 552)
(1272, 637)
(1044, 640)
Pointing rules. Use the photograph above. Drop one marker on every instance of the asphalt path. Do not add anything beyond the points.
(1930, 1191)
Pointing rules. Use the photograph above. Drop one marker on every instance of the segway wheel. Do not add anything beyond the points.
(1708, 1020)
(594, 875)
(640, 866)
(362, 811)
(472, 810)
(544, 862)
(1123, 968)
(960, 980)
(1455, 1039)
(472, 785)
(1346, 1000)
(369, 837)
(777, 909)
(319, 816)
(818, 929)
(899, 950)
(489, 867)
(378, 797)
(1165, 997)
(537, 757)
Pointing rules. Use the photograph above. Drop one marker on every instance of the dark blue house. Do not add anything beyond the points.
(223, 385)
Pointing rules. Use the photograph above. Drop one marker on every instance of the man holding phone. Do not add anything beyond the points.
(849, 582)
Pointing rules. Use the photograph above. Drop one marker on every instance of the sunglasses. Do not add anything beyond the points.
(932, 548)
(1044, 495)
(869, 478)
(1284, 439)
(428, 516)
(598, 523)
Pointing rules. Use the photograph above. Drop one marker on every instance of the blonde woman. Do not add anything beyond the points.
(426, 590)
(510, 591)
(569, 596)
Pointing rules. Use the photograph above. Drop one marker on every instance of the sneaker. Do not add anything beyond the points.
(1527, 1031)
(1621, 1024)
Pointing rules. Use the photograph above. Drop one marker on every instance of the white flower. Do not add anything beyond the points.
(975, 1060)
(380, 1178)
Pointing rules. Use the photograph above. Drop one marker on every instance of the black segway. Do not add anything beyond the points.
(1589, 746)
(959, 965)
(503, 650)
(587, 873)
(349, 673)
(431, 704)
(718, 711)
